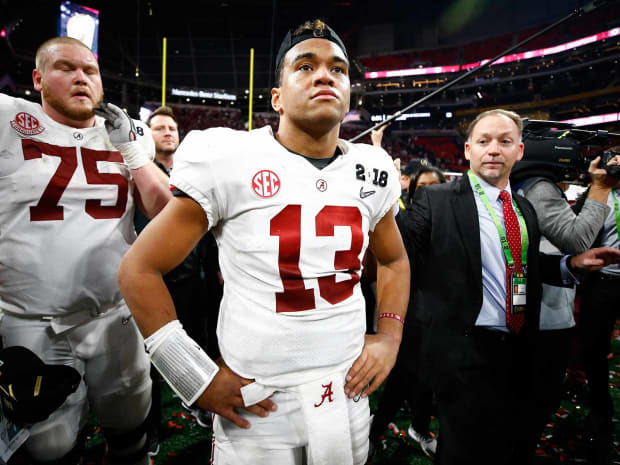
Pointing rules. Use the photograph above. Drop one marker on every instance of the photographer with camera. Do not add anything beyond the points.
(600, 295)
(564, 232)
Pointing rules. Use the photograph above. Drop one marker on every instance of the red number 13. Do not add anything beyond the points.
(287, 226)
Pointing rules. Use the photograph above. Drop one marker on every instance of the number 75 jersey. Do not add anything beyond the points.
(66, 215)
(291, 238)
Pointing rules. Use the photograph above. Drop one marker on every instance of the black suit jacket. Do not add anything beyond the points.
(442, 236)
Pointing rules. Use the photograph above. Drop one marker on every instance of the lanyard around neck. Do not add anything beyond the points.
(616, 211)
(500, 229)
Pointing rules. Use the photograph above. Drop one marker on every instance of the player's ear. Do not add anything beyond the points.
(36, 79)
(276, 102)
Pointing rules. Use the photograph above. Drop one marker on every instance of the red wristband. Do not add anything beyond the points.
(392, 315)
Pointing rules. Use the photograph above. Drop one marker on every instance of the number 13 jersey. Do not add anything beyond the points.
(66, 216)
(291, 240)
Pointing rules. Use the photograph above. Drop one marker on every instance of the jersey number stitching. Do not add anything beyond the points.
(287, 226)
(47, 209)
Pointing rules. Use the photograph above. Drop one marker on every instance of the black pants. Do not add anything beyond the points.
(188, 296)
(405, 383)
(549, 365)
(483, 411)
(600, 305)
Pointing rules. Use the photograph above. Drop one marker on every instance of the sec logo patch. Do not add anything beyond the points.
(266, 183)
(26, 124)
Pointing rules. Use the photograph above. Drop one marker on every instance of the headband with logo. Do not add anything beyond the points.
(321, 32)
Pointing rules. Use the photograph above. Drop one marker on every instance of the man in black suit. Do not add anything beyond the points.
(465, 241)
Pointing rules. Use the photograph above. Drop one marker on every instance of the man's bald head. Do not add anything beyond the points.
(42, 51)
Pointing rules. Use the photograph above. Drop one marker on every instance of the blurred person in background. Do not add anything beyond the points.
(562, 232)
(600, 306)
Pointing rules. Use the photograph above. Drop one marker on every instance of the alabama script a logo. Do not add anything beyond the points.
(327, 394)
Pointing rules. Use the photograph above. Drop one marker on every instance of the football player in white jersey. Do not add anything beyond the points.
(70, 181)
(293, 214)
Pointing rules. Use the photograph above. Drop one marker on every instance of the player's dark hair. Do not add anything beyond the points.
(414, 180)
(315, 28)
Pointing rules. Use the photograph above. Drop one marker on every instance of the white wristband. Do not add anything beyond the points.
(181, 361)
(133, 154)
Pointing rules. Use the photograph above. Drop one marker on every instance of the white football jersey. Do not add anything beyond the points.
(291, 240)
(66, 216)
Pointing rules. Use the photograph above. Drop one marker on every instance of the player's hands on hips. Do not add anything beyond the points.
(595, 259)
(372, 366)
(223, 396)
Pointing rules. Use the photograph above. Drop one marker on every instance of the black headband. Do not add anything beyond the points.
(289, 41)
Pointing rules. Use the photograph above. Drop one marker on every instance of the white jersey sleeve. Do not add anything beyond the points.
(197, 161)
(66, 218)
(292, 238)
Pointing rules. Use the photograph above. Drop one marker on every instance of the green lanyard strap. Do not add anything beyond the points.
(500, 229)
(616, 211)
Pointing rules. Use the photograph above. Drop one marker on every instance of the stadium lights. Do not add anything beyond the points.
(594, 119)
(506, 59)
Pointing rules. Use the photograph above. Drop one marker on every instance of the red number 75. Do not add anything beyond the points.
(48, 209)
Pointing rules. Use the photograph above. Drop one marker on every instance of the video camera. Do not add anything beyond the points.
(562, 152)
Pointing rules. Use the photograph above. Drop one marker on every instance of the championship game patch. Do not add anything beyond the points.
(26, 124)
(266, 183)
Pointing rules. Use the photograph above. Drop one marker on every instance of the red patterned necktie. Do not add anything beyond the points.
(513, 234)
